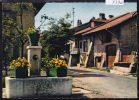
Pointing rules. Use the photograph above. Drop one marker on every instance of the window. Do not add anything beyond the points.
(80, 45)
(85, 46)
(99, 59)
(107, 38)
(76, 44)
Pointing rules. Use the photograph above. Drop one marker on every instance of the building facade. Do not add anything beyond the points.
(81, 46)
(108, 44)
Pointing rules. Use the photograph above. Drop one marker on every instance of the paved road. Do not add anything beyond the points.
(103, 84)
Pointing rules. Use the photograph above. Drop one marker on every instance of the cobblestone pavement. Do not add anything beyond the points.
(103, 84)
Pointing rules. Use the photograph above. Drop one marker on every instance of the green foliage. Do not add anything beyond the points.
(13, 30)
(103, 69)
(44, 61)
(57, 36)
(6, 43)
(23, 7)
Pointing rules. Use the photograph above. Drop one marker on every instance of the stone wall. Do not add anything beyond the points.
(37, 87)
(128, 37)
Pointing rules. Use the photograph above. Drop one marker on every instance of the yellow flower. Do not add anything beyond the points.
(58, 66)
(20, 62)
(19, 58)
(23, 64)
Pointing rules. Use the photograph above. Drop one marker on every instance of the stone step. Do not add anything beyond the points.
(122, 64)
(119, 72)
(122, 69)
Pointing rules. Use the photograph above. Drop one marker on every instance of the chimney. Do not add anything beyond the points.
(93, 18)
(79, 22)
(110, 16)
(102, 16)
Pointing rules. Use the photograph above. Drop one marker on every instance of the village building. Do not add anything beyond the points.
(106, 43)
(80, 46)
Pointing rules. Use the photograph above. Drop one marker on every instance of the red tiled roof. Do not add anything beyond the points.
(112, 22)
(89, 28)
(82, 31)
(98, 20)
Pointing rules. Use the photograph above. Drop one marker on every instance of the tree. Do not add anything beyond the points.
(56, 37)
(13, 28)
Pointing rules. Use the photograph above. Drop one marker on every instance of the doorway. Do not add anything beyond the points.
(97, 61)
(74, 60)
(110, 54)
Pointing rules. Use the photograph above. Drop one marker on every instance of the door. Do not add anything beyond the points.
(97, 61)
(74, 60)
(110, 54)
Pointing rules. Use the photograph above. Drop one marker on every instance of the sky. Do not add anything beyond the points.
(83, 11)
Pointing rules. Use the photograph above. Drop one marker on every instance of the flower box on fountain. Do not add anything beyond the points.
(56, 68)
(33, 35)
(21, 66)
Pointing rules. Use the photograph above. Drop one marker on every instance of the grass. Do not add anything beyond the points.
(134, 75)
(108, 70)
(103, 69)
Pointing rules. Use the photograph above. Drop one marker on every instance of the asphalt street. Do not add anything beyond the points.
(102, 84)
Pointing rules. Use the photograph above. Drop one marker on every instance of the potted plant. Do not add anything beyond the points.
(56, 67)
(33, 35)
(21, 66)
(44, 61)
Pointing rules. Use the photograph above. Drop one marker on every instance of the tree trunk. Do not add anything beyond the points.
(22, 50)
(22, 44)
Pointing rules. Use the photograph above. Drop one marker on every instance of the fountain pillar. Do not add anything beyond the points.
(34, 57)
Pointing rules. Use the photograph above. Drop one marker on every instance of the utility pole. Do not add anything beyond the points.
(73, 16)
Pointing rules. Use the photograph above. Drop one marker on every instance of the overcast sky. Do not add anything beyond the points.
(83, 11)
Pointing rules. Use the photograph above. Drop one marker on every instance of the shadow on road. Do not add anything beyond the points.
(82, 73)
(87, 75)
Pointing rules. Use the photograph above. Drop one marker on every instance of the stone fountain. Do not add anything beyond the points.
(35, 86)
(34, 57)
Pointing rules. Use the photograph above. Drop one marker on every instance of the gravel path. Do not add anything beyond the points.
(102, 84)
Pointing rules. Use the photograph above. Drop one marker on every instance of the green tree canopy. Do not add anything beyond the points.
(56, 37)
(13, 24)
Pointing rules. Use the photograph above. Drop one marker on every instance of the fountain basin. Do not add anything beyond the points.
(36, 87)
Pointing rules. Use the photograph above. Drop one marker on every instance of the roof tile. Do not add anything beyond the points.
(112, 22)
